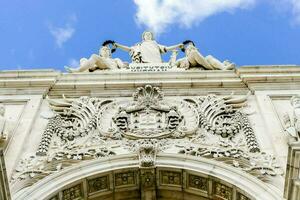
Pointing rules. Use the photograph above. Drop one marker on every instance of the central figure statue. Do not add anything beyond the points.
(147, 51)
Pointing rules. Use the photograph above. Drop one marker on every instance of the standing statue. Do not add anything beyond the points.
(3, 134)
(147, 51)
(193, 58)
(292, 120)
(102, 61)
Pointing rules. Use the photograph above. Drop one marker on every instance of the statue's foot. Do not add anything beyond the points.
(228, 65)
(69, 69)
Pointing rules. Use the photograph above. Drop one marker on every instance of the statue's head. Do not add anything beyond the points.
(147, 36)
(295, 101)
(2, 110)
(105, 51)
(188, 45)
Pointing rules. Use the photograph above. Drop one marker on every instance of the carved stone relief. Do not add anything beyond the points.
(87, 128)
(72, 193)
(222, 191)
(8, 117)
(3, 134)
(170, 178)
(155, 179)
(198, 182)
(98, 184)
(292, 120)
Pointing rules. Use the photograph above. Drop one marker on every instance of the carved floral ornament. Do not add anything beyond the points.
(87, 128)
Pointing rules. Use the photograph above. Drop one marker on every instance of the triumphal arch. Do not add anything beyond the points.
(192, 127)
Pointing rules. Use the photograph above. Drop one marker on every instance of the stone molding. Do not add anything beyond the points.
(292, 186)
(56, 83)
(275, 77)
(4, 189)
(47, 187)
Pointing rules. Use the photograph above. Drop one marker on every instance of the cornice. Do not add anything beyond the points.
(122, 83)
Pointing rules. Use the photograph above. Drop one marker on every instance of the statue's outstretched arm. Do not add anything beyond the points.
(123, 47)
(170, 48)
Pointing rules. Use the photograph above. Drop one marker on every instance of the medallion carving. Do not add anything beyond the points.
(98, 184)
(125, 179)
(198, 182)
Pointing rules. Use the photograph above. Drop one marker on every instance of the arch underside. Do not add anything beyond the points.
(173, 177)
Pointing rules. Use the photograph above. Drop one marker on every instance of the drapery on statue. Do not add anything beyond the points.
(193, 58)
(3, 135)
(147, 51)
(102, 61)
(292, 120)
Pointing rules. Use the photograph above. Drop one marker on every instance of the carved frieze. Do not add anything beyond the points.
(198, 182)
(147, 178)
(98, 184)
(170, 178)
(222, 191)
(75, 192)
(87, 128)
(125, 179)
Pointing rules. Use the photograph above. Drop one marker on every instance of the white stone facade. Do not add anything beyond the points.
(194, 134)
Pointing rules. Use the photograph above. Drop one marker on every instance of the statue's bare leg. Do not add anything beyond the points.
(196, 56)
(181, 63)
(120, 63)
(226, 65)
(229, 65)
(85, 64)
(215, 62)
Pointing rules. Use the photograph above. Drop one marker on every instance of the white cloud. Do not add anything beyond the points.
(296, 10)
(63, 34)
(157, 15)
(73, 63)
(291, 7)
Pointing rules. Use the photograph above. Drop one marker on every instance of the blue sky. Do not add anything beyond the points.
(51, 34)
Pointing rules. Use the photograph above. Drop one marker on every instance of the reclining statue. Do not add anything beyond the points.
(147, 51)
(193, 58)
(102, 61)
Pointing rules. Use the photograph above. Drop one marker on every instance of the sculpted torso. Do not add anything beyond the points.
(147, 51)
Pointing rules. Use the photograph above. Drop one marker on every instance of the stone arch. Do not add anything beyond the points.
(218, 177)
